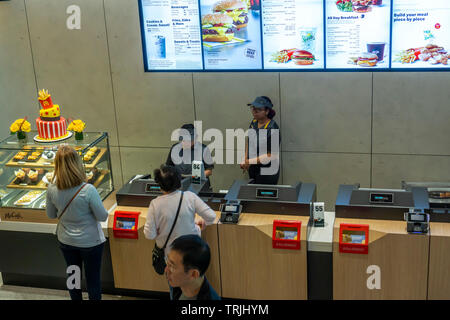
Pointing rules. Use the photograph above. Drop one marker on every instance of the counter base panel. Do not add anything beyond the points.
(320, 275)
(35, 260)
(402, 259)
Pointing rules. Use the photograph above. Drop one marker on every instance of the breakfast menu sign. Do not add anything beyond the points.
(358, 33)
(294, 35)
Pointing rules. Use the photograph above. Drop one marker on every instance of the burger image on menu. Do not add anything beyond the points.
(365, 59)
(302, 57)
(217, 27)
(362, 6)
(236, 9)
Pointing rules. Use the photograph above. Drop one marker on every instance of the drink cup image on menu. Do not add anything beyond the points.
(421, 34)
(293, 34)
(231, 35)
(358, 34)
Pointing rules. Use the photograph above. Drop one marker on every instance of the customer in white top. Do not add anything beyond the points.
(163, 209)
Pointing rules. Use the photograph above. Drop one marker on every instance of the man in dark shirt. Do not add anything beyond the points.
(187, 262)
(188, 150)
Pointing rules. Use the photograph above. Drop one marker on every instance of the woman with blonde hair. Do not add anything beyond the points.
(79, 209)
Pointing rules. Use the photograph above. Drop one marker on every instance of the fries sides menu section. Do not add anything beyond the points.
(293, 34)
(420, 34)
(198, 35)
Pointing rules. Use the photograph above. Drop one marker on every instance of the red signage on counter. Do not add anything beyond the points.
(126, 224)
(354, 238)
(286, 234)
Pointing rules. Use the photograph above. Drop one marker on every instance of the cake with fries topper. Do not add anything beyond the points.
(50, 124)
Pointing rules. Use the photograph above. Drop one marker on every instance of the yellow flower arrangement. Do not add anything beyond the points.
(20, 125)
(77, 126)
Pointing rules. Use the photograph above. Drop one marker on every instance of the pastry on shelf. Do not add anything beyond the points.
(93, 149)
(32, 158)
(19, 156)
(36, 153)
(20, 175)
(87, 157)
(49, 177)
(33, 175)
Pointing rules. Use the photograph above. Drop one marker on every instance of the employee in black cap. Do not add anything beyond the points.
(189, 143)
(263, 113)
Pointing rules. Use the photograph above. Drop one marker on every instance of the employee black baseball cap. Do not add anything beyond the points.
(190, 128)
(261, 102)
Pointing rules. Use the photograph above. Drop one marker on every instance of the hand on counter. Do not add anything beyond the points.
(201, 223)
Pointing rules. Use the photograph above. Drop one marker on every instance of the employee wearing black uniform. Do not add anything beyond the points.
(263, 113)
(190, 144)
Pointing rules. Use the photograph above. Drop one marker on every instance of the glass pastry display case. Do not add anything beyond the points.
(26, 169)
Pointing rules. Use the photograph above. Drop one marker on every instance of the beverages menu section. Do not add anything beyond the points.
(171, 30)
(293, 34)
(208, 35)
(420, 34)
(358, 33)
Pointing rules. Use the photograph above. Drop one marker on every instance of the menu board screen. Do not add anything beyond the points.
(420, 34)
(293, 34)
(231, 32)
(171, 34)
(358, 33)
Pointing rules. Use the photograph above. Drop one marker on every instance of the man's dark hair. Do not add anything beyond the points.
(196, 253)
(168, 178)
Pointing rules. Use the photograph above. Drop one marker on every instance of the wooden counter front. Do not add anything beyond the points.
(252, 269)
(132, 258)
(402, 258)
(439, 268)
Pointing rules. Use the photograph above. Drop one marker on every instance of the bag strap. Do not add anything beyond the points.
(176, 217)
(59, 218)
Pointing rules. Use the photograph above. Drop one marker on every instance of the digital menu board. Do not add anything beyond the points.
(295, 35)
(358, 33)
(420, 34)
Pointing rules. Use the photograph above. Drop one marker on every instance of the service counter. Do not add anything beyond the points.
(252, 269)
(132, 258)
(398, 258)
(439, 266)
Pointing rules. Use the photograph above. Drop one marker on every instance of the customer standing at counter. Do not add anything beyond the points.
(162, 211)
(263, 113)
(188, 144)
(187, 262)
(79, 208)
